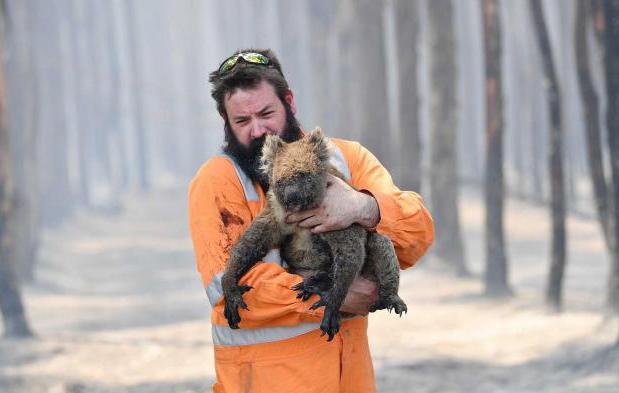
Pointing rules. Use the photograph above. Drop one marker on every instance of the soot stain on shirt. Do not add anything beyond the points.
(229, 218)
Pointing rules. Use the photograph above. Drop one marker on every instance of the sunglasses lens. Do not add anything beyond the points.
(228, 64)
(255, 58)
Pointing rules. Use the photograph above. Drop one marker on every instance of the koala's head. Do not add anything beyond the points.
(297, 171)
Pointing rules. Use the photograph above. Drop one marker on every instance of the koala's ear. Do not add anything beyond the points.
(272, 145)
(319, 140)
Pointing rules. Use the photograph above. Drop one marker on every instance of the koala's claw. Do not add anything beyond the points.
(309, 287)
(232, 302)
(391, 303)
(330, 323)
(320, 303)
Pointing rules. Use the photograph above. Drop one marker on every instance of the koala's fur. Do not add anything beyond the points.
(329, 261)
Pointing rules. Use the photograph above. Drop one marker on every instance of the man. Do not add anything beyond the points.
(279, 347)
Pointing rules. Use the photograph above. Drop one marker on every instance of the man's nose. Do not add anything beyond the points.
(257, 129)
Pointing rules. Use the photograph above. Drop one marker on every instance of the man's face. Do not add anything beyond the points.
(252, 114)
(255, 112)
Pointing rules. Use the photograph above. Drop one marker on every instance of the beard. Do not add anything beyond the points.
(248, 157)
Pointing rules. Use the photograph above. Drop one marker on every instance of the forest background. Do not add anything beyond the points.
(502, 114)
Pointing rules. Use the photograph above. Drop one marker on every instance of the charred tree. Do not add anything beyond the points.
(139, 123)
(557, 186)
(55, 194)
(11, 305)
(369, 64)
(443, 176)
(322, 15)
(407, 27)
(496, 274)
(611, 60)
(21, 94)
(348, 107)
(591, 106)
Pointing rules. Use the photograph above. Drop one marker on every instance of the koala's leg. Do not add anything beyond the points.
(382, 260)
(255, 243)
(348, 253)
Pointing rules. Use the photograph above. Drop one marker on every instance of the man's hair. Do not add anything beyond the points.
(246, 75)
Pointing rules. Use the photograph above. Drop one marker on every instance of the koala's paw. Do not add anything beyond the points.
(392, 302)
(317, 284)
(330, 322)
(232, 301)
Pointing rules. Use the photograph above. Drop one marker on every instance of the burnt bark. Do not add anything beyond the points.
(11, 304)
(369, 64)
(136, 67)
(407, 41)
(557, 183)
(591, 106)
(21, 91)
(55, 195)
(496, 273)
(320, 26)
(611, 60)
(443, 176)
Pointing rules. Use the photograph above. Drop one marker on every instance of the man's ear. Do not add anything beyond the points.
(318, 139)
(272, 145)
(289, 97)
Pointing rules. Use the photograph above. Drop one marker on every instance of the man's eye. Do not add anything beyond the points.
(267, 113)
(241, 121)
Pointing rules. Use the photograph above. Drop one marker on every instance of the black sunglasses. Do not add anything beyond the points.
(248, 57)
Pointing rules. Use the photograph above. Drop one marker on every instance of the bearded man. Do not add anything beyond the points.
(279, 347)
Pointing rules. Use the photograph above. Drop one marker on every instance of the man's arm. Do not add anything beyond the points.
(403, 216)
(219, 215)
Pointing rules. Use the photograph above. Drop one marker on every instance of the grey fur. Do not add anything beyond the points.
(329, 262)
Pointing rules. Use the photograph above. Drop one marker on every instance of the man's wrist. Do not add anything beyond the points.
(369, 213)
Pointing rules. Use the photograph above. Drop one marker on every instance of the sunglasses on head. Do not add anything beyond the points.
(248, 57)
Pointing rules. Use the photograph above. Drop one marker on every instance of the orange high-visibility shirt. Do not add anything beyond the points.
(278, 346)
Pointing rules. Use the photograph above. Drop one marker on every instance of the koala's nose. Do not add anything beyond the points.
(293, 198)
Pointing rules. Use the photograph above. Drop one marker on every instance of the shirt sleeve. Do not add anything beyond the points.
(403, 216)
(218, 215)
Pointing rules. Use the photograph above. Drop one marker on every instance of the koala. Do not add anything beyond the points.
(329, 262)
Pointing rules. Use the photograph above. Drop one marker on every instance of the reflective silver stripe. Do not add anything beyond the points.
(214, 290)
(338, 161)
(248, 186)
(273, 256)
(223, 335)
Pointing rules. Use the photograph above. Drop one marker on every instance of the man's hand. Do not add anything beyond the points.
(341, 207)
(361, 295)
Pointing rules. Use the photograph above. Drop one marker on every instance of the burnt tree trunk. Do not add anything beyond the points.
(320, 27)
(369, 62)
(557, 186)
(591, 107)
(348, 102)
(11, 305)
(407, 27)
(496, 274)
(22, 95)
(136, 69)
(443, 176)
(611, 59)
